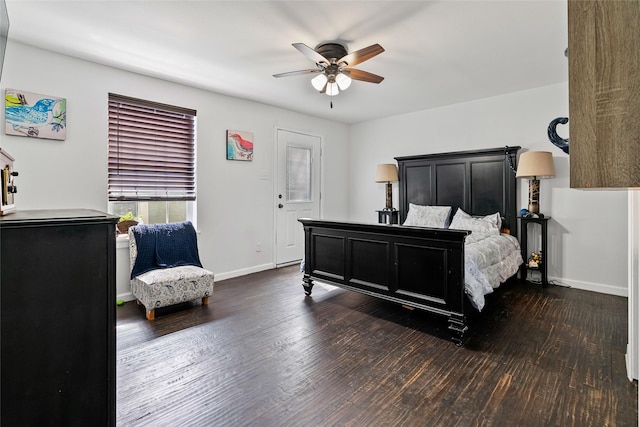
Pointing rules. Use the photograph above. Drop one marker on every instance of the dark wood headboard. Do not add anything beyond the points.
(480, 182)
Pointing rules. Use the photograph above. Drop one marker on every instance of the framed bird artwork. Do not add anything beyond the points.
(239, 145)
(35, 115)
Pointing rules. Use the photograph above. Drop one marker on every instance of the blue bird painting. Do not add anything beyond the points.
(46, 118)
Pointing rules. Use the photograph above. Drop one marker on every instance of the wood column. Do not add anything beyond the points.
(604, 93)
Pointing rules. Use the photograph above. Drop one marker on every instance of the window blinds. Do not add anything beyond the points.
(151, 151)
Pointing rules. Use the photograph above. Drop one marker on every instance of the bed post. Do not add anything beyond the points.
(457, 326)
(307, 281)
(307, 284)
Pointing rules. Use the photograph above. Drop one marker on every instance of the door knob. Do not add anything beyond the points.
(280, 205)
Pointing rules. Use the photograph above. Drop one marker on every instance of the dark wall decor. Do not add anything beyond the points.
(557, 140)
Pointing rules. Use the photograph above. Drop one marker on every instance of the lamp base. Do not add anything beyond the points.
(534, 195)
(389, 205)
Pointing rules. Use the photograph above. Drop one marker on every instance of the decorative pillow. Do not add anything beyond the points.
(483, 224)
(428, 216)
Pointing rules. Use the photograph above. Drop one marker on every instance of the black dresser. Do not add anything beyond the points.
(57, 308)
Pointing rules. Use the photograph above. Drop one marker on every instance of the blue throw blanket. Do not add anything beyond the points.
(165, 246)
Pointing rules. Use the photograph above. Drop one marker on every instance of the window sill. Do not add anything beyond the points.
(122, 241)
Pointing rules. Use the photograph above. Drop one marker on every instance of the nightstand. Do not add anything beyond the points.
(542, 267)
(388, 217)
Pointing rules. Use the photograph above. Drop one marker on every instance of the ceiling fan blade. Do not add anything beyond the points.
(354, 58)
(310, 53)
(297, 73)
(363, 75)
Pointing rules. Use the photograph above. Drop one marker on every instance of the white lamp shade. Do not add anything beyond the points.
(319, 81)
(332, 89)
(536, 164)
(343, 81)
(386, 172)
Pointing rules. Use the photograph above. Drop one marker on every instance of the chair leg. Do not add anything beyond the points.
(151, 314)
(205, 300)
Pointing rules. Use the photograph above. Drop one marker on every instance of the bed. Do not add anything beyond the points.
(427, 268)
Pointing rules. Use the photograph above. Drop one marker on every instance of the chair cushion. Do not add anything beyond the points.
(173, 275)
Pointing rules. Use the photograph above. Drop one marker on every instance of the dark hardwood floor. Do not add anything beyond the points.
(263, 354)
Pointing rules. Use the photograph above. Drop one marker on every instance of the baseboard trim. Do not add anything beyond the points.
(242, 272)
(589, 286)
(632, 373)
(586, 286)
(127, 296)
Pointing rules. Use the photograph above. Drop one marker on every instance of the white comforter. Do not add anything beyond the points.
(490, 259)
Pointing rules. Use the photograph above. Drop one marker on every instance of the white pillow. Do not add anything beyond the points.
(427, 216)
(484, 224)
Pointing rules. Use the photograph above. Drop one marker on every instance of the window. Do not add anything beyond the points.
(298, 174)
(151, 160)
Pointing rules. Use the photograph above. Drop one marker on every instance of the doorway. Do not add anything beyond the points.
(297, 191)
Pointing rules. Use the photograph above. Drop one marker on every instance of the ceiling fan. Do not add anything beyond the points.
(333, 66)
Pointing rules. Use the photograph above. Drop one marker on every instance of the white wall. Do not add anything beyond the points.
(235, 206)
(588, 231)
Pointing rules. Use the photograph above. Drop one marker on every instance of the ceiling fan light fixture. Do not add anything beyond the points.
(332, 89)
(333, 66)
(319, 81)
(343, 81)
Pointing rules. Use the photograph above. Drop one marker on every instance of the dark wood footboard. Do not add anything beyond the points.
(417, 267)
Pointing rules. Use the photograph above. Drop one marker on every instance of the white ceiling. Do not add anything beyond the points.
(437, 52)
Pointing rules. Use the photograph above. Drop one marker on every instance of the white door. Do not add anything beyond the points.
(297, 192)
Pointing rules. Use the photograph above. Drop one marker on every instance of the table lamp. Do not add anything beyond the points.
(388, 173)
(535, 165)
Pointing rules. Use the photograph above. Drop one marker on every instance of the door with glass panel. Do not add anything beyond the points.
(297, 193)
